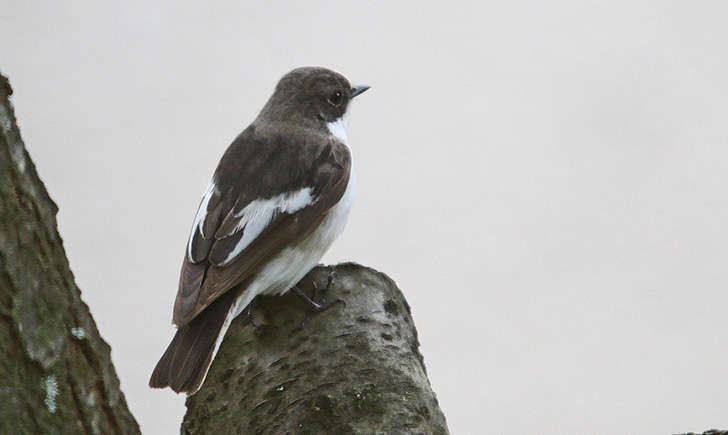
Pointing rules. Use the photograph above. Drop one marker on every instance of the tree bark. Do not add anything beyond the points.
(56, 374)
(709, 432)
(354, 368)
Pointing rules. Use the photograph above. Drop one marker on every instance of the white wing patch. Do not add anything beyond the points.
(256, 216)
(200, 216)
(253, 218)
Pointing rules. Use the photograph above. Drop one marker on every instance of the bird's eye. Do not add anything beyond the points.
(336, 98)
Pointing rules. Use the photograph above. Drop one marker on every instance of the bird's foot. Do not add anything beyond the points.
(250, 314)
(319, 295)
(318, 303)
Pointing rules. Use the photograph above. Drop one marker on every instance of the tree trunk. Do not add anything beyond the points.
(56, 374)
(354, 368)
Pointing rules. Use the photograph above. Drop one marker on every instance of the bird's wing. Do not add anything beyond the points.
(265, 195)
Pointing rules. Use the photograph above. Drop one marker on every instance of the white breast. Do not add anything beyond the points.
(338, 128)
(292, 263)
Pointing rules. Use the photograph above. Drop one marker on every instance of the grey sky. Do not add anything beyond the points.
(546, 182)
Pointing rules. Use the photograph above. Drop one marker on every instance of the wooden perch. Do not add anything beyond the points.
(354, 368)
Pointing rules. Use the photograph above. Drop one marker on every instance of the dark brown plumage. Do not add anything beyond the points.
(323, 164)
(184, 363)
(273, 187)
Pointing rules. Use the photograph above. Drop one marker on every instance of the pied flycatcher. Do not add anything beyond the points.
(279, 197)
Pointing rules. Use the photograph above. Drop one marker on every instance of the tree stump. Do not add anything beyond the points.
(354, 368)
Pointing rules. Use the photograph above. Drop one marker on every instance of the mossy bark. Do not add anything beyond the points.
(56, 374)
(355, 368)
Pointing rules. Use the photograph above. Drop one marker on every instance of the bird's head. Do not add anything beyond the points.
(311, 94)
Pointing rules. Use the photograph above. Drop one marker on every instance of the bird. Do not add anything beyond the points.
(277, 200)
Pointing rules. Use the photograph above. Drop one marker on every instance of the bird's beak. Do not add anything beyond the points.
(356, 90)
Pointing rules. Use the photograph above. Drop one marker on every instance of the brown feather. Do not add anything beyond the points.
(188, 357)
(329, 166)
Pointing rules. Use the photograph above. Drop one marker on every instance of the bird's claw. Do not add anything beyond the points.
(251, 316)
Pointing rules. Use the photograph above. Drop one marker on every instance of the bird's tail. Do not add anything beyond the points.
(185, 363)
